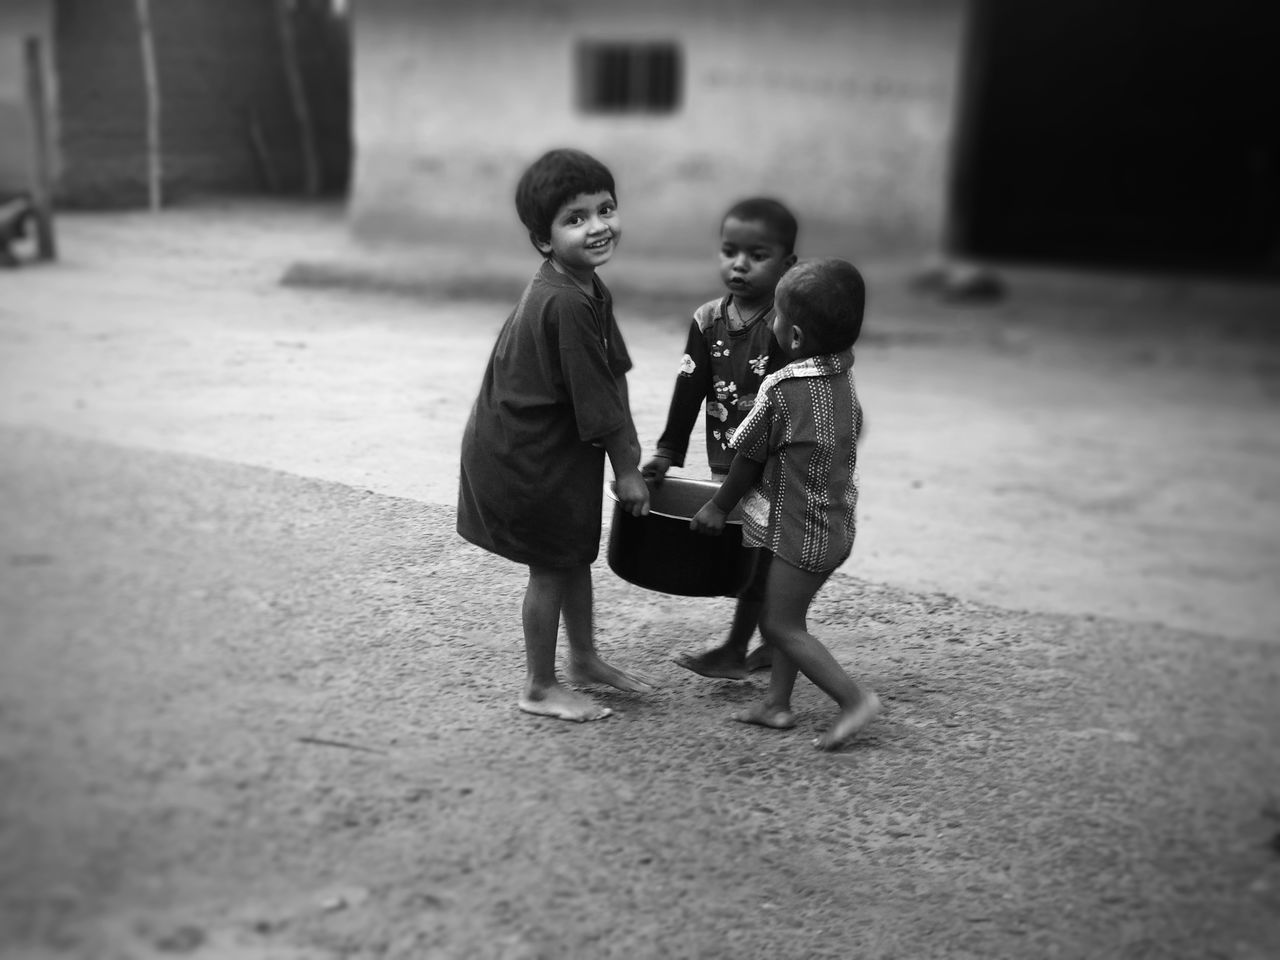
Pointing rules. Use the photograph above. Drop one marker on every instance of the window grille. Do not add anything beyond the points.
(628, 77)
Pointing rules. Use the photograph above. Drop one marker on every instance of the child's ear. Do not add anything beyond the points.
(542, 246)
(797, 338)
(789, 262)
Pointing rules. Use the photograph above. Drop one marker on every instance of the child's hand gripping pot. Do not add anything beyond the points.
(709, 519)
(633, 493)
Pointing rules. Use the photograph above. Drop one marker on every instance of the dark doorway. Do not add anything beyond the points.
(323, 31)
(1121, 133)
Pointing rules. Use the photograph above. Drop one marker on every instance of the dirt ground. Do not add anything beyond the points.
(1090, 445)
(256, 699)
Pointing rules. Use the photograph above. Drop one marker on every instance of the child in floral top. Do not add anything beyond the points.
(796, 473)
(729, 352)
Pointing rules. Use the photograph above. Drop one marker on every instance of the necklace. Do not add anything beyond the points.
(744, 324)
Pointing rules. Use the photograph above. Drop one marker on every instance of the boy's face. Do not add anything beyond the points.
(584, 233)
(752, 260)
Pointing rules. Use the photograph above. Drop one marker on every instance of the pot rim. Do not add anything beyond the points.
(734, 518)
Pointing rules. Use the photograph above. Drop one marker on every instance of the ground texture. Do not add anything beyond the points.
(255, 705)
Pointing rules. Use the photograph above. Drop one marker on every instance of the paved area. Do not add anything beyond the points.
(1091, 444)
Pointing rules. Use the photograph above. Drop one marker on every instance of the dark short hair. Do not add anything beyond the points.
(826, 299)
(553, 180)
(772, 213)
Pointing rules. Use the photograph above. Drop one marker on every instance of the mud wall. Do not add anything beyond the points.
(19, 19)
(843, 109)
(220, 76)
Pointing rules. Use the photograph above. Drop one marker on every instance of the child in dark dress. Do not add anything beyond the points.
(729, 351)
(553, 403)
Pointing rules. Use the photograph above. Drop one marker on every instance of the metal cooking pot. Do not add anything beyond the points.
(659, 551)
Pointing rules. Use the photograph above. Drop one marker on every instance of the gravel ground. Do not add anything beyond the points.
(257, 699)
(246, 715)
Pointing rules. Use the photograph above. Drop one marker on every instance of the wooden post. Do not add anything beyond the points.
(298, 95)
(151, 77)
(41, 155)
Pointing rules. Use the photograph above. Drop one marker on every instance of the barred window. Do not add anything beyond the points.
(628, 77)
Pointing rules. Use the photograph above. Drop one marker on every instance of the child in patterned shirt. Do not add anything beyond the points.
(729, 352)
(795, 471)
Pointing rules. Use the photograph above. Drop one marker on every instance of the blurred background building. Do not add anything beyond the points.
(1100, 132)
(842, 109)
(228, 121)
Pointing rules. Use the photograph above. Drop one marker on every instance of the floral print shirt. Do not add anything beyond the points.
(720, 373)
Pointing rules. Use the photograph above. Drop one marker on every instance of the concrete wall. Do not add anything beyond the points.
(19, 19)
(840, 107)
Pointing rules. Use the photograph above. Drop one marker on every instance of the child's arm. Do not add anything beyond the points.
(596, 383)
(743, 472)
(623, 448)
(693, 384)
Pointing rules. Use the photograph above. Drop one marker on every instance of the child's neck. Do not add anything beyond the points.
(586, 282)
(748, 310)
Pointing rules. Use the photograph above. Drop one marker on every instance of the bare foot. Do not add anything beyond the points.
(767, 715)
(849, 722)
(562, 703)
(718, 664)
(761, 658)
(595, 670)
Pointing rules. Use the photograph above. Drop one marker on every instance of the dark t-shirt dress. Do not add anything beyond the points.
(532, 475)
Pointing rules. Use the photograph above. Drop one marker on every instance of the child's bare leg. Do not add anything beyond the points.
(775, 710)
(584, 665)
(544, 694)
(762, 656)
(790, 592)
(729, 660)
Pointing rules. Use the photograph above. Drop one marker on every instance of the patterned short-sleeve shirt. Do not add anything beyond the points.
(804, 427)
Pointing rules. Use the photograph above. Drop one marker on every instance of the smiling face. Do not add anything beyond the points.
(584, 233)
(752, 261)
